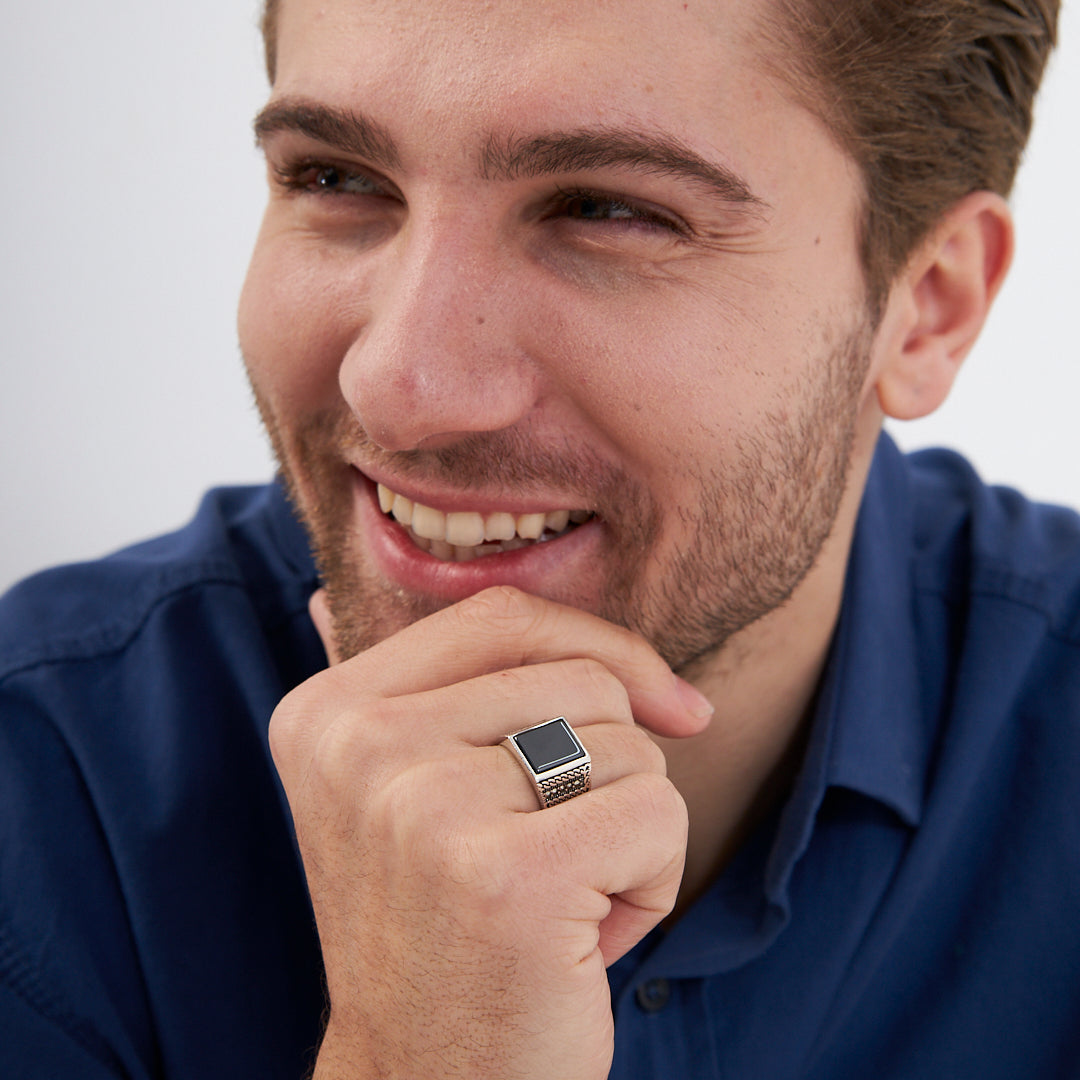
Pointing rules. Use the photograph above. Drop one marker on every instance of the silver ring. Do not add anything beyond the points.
(553, 759)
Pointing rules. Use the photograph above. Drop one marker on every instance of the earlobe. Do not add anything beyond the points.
(939, 303)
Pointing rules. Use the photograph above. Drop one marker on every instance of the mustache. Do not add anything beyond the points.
(509, 461)
(493, 461)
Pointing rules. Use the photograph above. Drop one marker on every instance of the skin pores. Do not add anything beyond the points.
(525, 259)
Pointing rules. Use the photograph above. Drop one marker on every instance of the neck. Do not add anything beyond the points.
(744, 763)
(763, 683)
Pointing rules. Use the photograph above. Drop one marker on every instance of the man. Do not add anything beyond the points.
(574, 336)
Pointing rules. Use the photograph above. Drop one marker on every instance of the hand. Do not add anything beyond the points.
(464, 931)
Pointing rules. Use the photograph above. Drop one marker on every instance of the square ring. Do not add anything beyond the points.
(554, 760)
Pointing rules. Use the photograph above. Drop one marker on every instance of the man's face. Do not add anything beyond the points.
(521, 259)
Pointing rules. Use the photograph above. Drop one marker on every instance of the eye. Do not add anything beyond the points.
(321, 178)
(597, 208)
(594, 206)
(332, 179)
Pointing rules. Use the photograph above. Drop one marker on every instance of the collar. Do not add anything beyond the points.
(868, 735)
(870, 715)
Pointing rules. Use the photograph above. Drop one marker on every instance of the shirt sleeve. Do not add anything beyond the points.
(33, 1047)
(72, 999)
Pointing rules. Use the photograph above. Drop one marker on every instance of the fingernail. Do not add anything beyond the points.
(693, 700)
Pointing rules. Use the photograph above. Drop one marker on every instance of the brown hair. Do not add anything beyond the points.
(932, 99)
(268, 25)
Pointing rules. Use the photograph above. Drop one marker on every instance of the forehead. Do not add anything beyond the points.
(644, 27)
(681, 66)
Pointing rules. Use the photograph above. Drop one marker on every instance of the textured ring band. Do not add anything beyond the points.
(553, 759)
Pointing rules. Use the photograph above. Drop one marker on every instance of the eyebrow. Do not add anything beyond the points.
(652, 153)
(341, 128)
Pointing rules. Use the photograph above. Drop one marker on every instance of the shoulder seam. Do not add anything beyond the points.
(1067, 634)
(116, 636)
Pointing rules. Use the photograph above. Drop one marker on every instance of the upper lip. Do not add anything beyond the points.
(451, 502)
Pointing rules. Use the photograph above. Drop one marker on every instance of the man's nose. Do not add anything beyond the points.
(440, 355)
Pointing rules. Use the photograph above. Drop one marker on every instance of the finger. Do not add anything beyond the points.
(503, 628)
(627, 841)
(385, 735)
(483, 710)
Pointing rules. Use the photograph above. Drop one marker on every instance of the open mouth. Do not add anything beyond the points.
(461, 536)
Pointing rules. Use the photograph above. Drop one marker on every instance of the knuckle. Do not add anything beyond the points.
(333, 756)
(426, 797)
(603, 687)
(289, 724)
(504, 613)
(351, 752)
(281, 736)
(393, 812)
(622, 750)
(424, 820)
(655, 798)
(302, 713)
(651, 759)
(500, 604)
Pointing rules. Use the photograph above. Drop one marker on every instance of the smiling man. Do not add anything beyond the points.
(674, 725)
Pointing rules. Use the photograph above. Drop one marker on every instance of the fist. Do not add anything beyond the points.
(465, 932)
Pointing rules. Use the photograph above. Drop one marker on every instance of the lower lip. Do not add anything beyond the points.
(539, 568)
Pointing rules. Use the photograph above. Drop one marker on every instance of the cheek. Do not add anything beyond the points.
(297, 319)
(672, 380)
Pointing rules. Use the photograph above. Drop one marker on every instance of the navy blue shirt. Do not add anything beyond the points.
(911, 911)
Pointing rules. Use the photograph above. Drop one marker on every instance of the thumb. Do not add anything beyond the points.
(319, 610)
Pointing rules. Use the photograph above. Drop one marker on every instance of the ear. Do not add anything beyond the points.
(938, 304)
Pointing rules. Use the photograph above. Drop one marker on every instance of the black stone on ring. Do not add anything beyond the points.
(553, 759)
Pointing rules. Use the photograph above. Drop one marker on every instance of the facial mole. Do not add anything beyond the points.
(479, 320)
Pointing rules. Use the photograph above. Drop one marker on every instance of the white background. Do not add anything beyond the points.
(130, 194)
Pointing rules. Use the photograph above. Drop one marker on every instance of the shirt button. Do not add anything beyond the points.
(653, 995)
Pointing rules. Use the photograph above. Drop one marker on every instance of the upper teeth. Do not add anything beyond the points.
(465, 534)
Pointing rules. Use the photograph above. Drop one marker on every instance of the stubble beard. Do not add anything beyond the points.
(758, 526)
